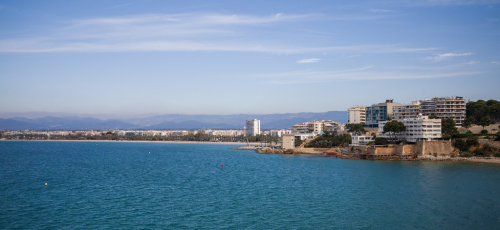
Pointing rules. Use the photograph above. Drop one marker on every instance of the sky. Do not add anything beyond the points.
(138, 58)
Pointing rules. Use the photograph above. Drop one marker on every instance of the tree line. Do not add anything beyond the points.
(200, 137)
(482, 113)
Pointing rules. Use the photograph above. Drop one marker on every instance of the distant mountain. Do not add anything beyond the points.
(191, 125)
(62, 123)
(169, 121)
(11, 124)
(238, 120)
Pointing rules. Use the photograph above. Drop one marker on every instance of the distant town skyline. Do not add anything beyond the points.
(144, 58)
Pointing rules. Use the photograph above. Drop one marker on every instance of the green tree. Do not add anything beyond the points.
(433, 117)
(485, 121)
(394, 127)
(328, 141)
(357, 129)
(381, 141)
(461, 145)
(448, 127)
(486, 147)
(473, 141)
(468, 122)
(298, 142)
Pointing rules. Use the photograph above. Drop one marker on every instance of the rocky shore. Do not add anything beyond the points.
(341, 154)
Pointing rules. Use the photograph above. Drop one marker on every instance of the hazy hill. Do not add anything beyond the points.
(168, 121)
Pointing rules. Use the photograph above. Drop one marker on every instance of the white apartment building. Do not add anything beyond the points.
(356, 115)
(420, 128)
(445, 107)
(252, 127)
(406, 111)
(361, 140)
(279, 133)
(317, 126)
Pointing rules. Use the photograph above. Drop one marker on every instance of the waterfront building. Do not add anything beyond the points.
(252, 127)
(445, 107)
(316, 126)
(288, 141)
(357, 140)
(379, 112)
(406, 111)
(356, 115)
(420, 128)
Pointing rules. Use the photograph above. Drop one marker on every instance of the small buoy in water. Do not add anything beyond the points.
(45, 184)
(149, 152)
(222, 165)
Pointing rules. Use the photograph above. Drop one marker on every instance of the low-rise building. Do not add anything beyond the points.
(279, 133)
(288, 141)
(357, 140)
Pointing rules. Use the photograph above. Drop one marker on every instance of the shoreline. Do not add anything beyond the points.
(329, 153)
(170, 142)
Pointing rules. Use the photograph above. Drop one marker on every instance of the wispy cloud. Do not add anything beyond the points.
(495, 62)
(444, 56)
(311, 77)
(365, 73)
(183, 32)
(380, 11)
(310, 60)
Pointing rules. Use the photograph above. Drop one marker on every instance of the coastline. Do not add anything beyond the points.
(170, 142)
(334, 153)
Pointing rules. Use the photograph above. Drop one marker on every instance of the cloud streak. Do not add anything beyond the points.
(444, 56)
(363, 73)
(183, 32)
(310, 60)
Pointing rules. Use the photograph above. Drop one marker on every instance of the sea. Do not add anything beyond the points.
(124, 185)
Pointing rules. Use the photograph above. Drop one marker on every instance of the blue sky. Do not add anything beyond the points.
(132, 58)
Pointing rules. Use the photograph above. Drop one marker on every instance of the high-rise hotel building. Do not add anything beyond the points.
(252, 127)
(445, 107)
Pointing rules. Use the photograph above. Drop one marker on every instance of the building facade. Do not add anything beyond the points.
(379, 112)
(356, 115)
(445, 107)
(288, 141)
(316, 126)
(253, 127)
(357, 140)
(406, 111)
(420, 128)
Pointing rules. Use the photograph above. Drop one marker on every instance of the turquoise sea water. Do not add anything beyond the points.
(156, 185)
